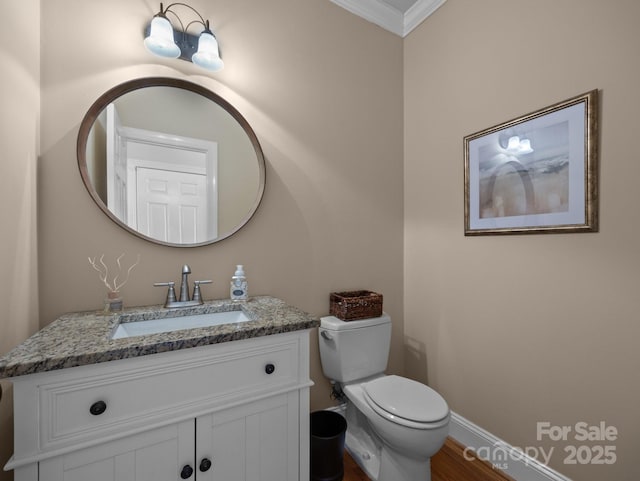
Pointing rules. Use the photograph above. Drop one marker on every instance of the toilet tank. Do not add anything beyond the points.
(352, 350)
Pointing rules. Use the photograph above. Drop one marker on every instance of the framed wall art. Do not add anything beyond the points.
(535, 174)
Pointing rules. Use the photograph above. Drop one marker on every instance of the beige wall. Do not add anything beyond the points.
(328, 116)
(19, 131)
(516, 330)
(512, 330)
(329, 119)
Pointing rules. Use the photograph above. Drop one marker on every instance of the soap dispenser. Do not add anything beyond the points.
(238, 290)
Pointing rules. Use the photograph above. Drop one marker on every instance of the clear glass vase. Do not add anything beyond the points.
(113, 302)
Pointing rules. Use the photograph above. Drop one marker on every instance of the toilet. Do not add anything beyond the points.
(394, 424)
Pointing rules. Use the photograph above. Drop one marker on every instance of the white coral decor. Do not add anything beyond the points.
(113, 285)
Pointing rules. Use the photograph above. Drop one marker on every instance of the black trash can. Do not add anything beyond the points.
(328, 429)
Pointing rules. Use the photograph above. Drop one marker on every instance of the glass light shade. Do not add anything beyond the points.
(514, 144)
(208, 55)
(160, 40)
(525, 146)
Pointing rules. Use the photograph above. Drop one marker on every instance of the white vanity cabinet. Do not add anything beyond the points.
(235, 411)
(159, 454)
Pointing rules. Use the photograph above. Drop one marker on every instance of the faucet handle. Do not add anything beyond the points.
(197, 296)
(171, 292)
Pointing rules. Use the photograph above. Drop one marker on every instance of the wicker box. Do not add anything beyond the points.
(353, 305)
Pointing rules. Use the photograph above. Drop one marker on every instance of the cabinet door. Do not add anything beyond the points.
(257, 441)
(156, 455)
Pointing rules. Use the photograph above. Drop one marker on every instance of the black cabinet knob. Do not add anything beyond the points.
(205, 465)
(269, 368)
(186, 472)
(98, 408)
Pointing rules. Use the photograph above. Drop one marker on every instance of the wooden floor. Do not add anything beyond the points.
(352, 471)
(449, 464)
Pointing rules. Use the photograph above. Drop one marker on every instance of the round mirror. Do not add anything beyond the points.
(171, 162)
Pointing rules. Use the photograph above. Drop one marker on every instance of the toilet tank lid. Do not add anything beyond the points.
(334, 324)
(407, 399)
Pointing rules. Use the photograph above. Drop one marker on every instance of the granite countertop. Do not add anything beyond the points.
(83, 338)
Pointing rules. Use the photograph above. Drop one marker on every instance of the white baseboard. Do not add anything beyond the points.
(508, 459)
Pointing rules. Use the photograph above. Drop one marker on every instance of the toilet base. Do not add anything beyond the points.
(379, 462)
(361, 443)
(395, 467)
(368, 459)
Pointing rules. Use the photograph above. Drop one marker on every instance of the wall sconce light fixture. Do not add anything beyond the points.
(161, 39)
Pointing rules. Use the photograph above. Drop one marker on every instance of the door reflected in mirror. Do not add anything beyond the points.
(171, 162)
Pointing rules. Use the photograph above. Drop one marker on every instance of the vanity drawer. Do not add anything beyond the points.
(108, 400)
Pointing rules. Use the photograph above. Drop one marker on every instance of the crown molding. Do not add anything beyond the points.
(388, 17)
(419, 12)
(376, 12)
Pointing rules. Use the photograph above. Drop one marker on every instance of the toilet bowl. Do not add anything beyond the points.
(394, 424)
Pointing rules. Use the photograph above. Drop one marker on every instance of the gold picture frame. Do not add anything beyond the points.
(535, 174)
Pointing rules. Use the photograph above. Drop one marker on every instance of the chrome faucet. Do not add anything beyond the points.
(184, 301)
(184, 287)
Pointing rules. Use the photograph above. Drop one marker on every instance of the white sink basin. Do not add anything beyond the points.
(168, 324)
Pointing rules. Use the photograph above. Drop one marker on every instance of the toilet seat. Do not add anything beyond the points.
(406, 402)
